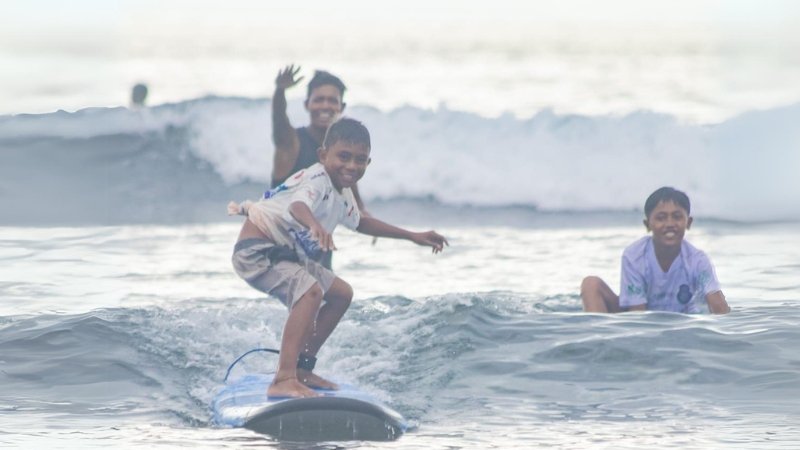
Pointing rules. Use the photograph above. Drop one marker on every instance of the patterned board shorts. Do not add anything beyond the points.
(273, 270)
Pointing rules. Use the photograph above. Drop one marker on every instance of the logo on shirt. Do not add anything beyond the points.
(684, 295)
(635, 290)
(276, 190)
(703, 278)
(309, 245)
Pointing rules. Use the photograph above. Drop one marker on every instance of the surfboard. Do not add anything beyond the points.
(341, 415)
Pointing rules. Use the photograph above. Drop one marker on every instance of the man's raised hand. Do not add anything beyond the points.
(286, 77)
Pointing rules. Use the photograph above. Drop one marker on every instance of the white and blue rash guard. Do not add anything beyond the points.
(311, 186)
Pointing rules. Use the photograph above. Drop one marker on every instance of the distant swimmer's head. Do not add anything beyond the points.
(138, 95)
(325, 99)
(345, 152)
(667, 215)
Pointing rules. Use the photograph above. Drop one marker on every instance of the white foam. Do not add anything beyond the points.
(549, 161)
(740, 169)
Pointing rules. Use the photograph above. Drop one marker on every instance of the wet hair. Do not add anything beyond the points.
(347, 130)
(666, 194)
(321, 78)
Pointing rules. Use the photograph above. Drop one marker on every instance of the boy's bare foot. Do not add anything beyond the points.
(315, 381)
(289, 387)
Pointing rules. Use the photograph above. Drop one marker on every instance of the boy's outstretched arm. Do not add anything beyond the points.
(717, 303)
(377, 228)
(287, 144)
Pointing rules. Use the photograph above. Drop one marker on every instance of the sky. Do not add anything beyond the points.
(73, 51)
(35, 16)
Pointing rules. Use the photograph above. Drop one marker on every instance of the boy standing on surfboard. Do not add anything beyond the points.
(282, 236)
(660, 272)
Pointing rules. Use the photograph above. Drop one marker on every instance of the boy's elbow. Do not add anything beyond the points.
(363, 225)
(296, 209)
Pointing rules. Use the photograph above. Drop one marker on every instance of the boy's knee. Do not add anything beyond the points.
(340, 293)
(347, 293)
(313, 294)
(591, 283)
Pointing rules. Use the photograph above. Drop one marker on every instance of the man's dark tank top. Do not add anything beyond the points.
(307, 155)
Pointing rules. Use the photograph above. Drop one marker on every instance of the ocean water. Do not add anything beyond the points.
(121, 335)
(530, 144)
(119, 310)
(175, 163)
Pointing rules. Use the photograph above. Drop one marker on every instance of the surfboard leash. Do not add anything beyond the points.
(268, 350)
(306, 362)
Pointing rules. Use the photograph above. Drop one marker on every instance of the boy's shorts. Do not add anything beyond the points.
(276, 270)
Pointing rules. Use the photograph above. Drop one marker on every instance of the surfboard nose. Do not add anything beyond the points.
(327, 419)
(345, 414)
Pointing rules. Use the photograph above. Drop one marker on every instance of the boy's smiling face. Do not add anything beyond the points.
(345, 163)
(668, 222)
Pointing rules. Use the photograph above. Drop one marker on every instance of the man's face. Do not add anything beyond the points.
(668, 222)
(345, 163)
(324, 105)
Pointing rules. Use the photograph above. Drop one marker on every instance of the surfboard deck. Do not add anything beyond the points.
(341, 415)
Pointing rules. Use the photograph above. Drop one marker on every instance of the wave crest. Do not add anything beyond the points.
(219, 148)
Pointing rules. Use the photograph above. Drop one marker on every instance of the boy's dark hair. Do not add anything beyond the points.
(322, 78)
(347, 130)
(667, 194)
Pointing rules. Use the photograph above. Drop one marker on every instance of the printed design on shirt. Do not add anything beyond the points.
(309, 245)
(275, 191)
(703, 279)
(285, 185)
(684, 294)
(635, 290)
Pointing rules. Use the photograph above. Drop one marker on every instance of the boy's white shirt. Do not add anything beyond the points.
(683, 288)
(313, 187)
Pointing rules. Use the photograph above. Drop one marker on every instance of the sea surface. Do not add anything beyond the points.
(119, 310)
(120, 336)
